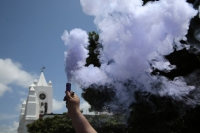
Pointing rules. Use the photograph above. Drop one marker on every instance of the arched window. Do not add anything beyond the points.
(42, 104)
(45, 107)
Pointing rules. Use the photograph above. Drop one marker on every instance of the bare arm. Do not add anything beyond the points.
(79, 122)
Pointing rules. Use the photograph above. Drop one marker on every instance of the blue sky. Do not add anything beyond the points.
(30, 37)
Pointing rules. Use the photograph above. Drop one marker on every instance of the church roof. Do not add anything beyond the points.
(42, 80)
(24, 102)
(32, 89)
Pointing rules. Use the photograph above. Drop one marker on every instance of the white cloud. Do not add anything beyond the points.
(58, 105)
(18, 107)
(22, 99)
(85, 108)
(9, 129)
(12, 73)
(4, 116)
(22, 93)
(4, 88)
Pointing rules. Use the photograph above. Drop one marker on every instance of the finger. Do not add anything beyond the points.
(68, 94)
(66, 103)
(72, 94)
(65, 98)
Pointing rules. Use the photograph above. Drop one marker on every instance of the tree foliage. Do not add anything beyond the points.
(93, 48)
(98, 95)
(185, 62)
(108, 123)
(194, 2)
(155, 114)
(56, 124)
(63, 124)
(145, 1)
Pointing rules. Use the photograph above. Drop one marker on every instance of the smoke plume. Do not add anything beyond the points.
(133, 37)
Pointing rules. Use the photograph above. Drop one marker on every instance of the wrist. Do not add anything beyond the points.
(74, 114)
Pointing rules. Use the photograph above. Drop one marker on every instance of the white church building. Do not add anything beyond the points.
(38, 102)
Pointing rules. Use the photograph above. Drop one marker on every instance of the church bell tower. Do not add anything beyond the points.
(44, 94)
(39, 101)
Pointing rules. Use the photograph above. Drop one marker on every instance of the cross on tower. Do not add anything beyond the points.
(42, 69)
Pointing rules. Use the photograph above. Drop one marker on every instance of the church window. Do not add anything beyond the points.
(45, 107)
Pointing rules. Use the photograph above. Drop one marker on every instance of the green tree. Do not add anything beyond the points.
(194, 2)
(155, 114)
(93, 48)
(103, 94)
(145, 1)
(62, 124)
(98, 96)
(56, 124)
(108, 123)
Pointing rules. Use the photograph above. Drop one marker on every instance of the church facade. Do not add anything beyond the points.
(38, 102)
